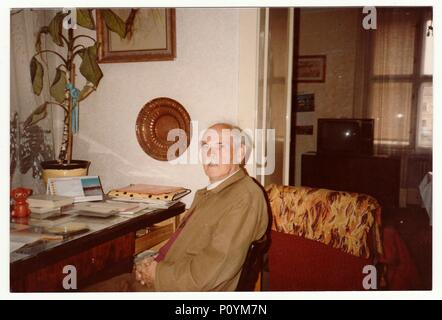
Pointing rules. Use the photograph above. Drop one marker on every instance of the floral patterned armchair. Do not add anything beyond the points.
(322, 239)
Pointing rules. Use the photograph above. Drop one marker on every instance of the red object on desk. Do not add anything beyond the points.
(21, 207)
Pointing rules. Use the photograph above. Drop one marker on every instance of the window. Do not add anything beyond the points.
(400, 81)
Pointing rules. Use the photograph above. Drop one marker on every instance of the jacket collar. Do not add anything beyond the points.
(237, 176)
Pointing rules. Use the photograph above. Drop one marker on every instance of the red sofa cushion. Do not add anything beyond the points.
(299, 264)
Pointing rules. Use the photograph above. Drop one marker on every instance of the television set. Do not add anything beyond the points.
(345, 136)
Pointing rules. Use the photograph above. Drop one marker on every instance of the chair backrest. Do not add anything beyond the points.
(253, 264)
(346, 221)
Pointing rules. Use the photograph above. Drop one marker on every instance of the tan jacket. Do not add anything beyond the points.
(210, 250)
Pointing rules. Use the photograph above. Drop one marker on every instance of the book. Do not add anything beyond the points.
(84, 188)
(49, 201)
(42, 210)
(45, 215)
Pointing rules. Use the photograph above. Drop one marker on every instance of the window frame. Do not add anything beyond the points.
(416, 79)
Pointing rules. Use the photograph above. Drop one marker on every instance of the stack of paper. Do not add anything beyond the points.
(46, 201)
(43, 206)
(110, 207)
(130, 207)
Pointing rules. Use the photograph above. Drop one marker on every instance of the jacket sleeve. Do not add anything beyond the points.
(221, 260)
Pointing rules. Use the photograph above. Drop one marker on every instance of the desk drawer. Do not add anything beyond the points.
(155, 235)
(94, 264)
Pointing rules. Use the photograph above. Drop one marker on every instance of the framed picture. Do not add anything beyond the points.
(311, 68)
(151, 36)
(305, 102)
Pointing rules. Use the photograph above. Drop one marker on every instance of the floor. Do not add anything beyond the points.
(413, 225)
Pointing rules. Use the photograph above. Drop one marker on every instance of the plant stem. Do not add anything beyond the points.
(64, 38)
(79, 45)
(71, 68)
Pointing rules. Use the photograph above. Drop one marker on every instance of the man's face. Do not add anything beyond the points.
(219, 153)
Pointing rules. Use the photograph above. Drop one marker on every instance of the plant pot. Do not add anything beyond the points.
(54, 169)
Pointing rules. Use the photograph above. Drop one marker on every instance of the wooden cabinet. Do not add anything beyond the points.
(97, 263)
(377, 175)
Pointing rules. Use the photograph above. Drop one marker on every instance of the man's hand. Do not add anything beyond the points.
(145, 271)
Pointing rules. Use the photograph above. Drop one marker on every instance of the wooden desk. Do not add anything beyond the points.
(96, 255)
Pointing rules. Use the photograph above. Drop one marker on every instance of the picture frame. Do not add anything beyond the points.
(305, 102)
(152, 38)
(311, 68)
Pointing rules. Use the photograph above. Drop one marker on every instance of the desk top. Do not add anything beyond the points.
(100, 230)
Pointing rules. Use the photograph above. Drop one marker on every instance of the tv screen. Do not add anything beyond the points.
(352, 136)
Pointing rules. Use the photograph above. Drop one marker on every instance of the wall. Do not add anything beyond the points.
(26, 149)
(332, 32)
(203, 78)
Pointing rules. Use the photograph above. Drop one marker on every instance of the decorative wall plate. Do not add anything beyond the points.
(154, 122)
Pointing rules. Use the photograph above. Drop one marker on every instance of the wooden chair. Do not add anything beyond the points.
(253, 264)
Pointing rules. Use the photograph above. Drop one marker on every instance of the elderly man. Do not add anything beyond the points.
(207, 251)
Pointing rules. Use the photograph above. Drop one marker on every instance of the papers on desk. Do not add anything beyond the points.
(151, 203)
(42, 203)
(105, 209)
(50, 221)
(21, 238)
(24, 237)
(15, 246)
(130, 207)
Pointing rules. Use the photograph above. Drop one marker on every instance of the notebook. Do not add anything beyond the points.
(48, 201)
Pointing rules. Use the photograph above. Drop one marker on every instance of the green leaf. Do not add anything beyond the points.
(58, 86)
(56, 28)
(86, 91)
(39, 114)
(114, 22)
(43, 30)
(85, 19)
(89, 67)
(36, 76)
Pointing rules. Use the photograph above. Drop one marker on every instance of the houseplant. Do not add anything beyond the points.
(72, 56)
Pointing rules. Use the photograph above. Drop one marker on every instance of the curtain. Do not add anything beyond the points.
(399, 91)
(32, 145)
(397, 79)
